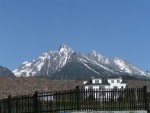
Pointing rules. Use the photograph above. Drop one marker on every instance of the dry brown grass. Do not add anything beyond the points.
(23, 86)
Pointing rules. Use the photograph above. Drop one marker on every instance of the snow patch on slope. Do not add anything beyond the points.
(100, 65)
(88, 66)
(121, 64)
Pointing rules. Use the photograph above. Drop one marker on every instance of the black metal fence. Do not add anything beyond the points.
(79, 100)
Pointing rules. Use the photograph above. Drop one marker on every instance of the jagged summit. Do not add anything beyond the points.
(93, 52)
(67, 64)
(93, 55)
(65, 48)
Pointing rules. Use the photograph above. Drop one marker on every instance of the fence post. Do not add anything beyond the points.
(9, 104)
(78, 97)
(1, 106)
(145, 96)
(36, 107)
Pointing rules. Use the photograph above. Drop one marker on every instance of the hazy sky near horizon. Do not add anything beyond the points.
(111, 27)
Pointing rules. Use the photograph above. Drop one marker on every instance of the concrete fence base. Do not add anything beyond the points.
(110, 112)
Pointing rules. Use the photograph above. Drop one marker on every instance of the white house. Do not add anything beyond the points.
(116, 83)
(96, 84)
(105, 83)
(103, 86)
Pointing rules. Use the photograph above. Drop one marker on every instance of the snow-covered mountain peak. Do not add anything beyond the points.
(54, 61)
(65, 48)
(97, 57)
(116, 58)
(25, 62)
(93, 52)
(46, 64)
(119, 62)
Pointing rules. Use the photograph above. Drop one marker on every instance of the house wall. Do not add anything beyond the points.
(86, 87)
(95, 87)
(93, 80)
(107, 87)
(124, 85)
(91, 86)
(119, 85)
(111, 86)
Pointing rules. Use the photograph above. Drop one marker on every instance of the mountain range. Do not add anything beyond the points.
(6, 72)
(65, 63)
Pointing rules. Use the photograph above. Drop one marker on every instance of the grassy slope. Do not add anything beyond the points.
(22, 86)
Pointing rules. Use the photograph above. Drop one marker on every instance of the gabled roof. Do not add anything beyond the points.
(124, 82)
(113, 77)
(104, 82)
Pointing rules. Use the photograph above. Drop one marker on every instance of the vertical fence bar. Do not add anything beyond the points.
(120, 98)
(139, 98)
(56, 102)
(134, 101)
(1, 106)
(9, 104)
(28, 103)
(141, 104)
(59, 101)
(70, 102)
(86, 90)
(145, 96)
(112, 96)
(92, 99)
(21, 103)
(108, 99)
(87, 99)
(81, 98)
(130, 99)
(148, 101)
(62, 97)
(64, 100)
(96, 99)
(35, 96)
(138, 101)
(78, 97)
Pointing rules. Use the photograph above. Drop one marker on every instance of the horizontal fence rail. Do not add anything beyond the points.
(78, 100)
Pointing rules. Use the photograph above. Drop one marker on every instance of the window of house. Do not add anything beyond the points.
(96, 81)
(118, 81)
(112, 81)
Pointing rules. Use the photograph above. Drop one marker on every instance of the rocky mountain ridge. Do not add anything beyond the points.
(65, 63)
(6, 72)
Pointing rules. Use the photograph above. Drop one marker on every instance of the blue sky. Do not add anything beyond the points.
(111, 27)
